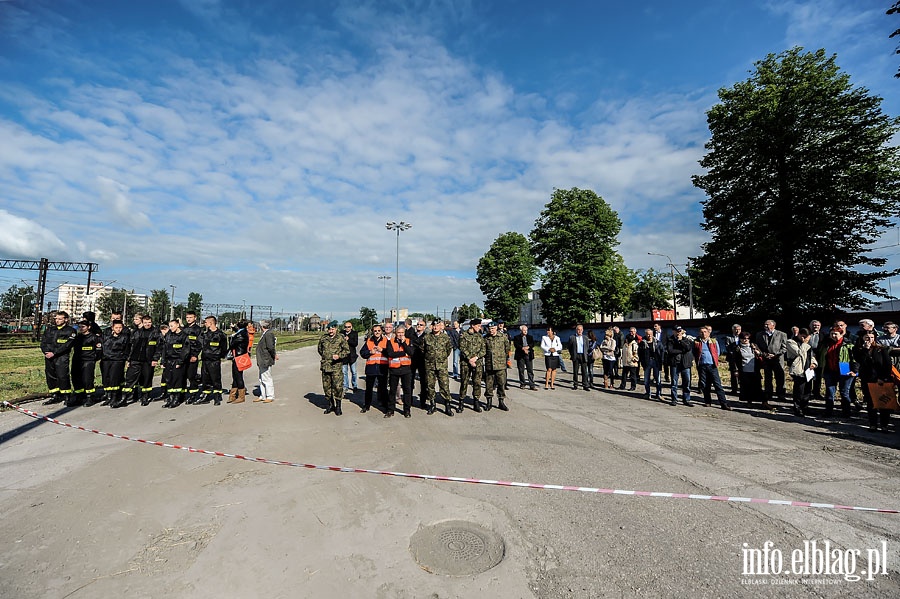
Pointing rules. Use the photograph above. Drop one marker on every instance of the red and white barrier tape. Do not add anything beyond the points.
(456, 479)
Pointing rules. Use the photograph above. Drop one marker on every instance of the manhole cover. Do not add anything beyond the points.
(456, 548)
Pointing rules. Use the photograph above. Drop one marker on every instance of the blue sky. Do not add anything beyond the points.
(254, 150)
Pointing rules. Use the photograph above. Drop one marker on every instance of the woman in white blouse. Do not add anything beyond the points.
(552, 347)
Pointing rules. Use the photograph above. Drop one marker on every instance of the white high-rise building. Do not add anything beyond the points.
(76, 299)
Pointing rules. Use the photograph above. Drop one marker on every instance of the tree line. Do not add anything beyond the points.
(801, 180)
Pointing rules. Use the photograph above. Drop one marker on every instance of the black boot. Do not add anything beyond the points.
(459, 406)
(330, 407)
(107, 398)
(477, 405)
(490, 403)
(502, 406)
(337, 408)
(88, 400)
(406, 413)
(447, 407)
(218, 398)
(145, 398)
(366, 407)
(117, 401)
(431, 408)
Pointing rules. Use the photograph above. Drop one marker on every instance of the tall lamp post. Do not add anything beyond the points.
(673, 269)
(401, 226)
(384, 279)
(672, 272)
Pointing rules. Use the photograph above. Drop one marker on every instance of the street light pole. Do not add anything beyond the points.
(172, 304)
(384, 279)
(401, 226)
(672, 272)
(21, 305)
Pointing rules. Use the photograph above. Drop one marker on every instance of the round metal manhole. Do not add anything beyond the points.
(456, 548)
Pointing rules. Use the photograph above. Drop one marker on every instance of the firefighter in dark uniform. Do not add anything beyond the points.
(116, 347)
(56, 344)
(151, 357)
(214, 347)
(84, 363)
(177, 354)
(194, 330)
(137, 356)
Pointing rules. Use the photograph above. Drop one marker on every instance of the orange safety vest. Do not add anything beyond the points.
(376, 359)
(401, 361)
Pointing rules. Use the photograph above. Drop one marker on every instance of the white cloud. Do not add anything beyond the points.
(301, 172)
(26, 239)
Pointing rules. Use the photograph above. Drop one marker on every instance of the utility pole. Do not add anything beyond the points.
(172, 304)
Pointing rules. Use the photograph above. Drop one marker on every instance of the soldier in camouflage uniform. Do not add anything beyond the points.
(333, 348)
(471, 354)
(438, 348)
(495, 359)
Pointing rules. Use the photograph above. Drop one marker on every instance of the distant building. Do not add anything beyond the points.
(530, 313)
(76, 299)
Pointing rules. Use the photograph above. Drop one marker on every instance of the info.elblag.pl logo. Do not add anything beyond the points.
(818, 561)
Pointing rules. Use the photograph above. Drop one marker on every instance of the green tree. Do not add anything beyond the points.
(117, 300)
(159, 305)
(652, 291)
(368, 317)
(801, 178)
(467, 311)
(505, 274)
(16, 298)
(195, 303)
(574, 242)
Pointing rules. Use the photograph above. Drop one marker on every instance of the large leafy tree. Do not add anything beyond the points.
(159, 305)
(117, 300)
(652, 291)
(367, 317)
(466, 311)
(195, 302)
(801, 178)
(505, 274)
(574, 241)
(16, 298)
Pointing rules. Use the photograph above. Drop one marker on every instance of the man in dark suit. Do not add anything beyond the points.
(524, 354)
(578, 345)
(773, 345)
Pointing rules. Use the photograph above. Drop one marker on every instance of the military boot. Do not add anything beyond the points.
(459, 406)
(107, 398)
(337, 408)
(502, 406)
(431, 408)
(330, 407)
(447, 408)
(490, 403)
(477, 402)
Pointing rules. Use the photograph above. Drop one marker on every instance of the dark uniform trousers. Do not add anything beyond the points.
(83, 374)
(113, 373)
(56, 370)
(210, 376)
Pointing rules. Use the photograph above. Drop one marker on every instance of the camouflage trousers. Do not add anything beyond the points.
(333, 384)
(437, 373)
(495, 378)
(473, 373)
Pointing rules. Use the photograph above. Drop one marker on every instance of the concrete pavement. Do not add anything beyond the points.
(90, 516)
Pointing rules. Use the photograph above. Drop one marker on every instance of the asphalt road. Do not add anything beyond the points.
(92, 516)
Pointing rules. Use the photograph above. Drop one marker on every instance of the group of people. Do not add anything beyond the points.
(396, 356)
(190, 356)
(757, 364)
